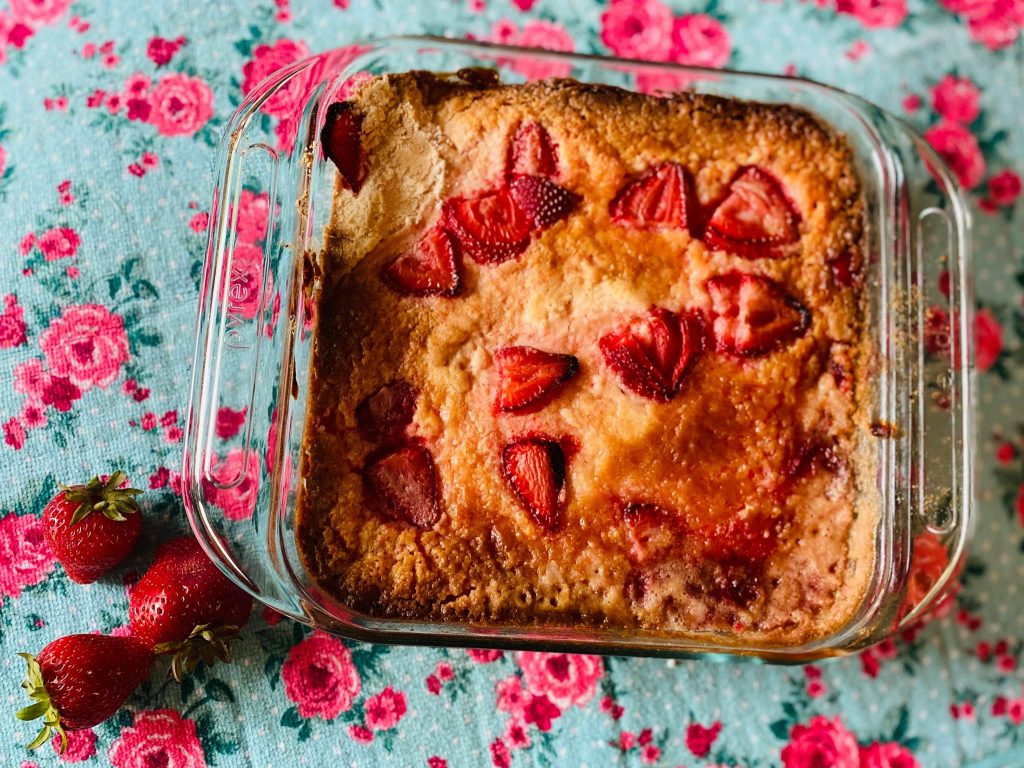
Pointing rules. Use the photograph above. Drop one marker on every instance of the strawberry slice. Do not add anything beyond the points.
(342, 144)
(431, 268)
(383, 416)
(535, 469)
(659, 199)
(653, 532)
(402, 484)
(752, 315)
(748, 538)
(532, 152)
(754, 218)
(491, 227)
(543, 201)
(528, 377)
(652, 353)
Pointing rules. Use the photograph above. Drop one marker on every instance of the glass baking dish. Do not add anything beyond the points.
(271, 205)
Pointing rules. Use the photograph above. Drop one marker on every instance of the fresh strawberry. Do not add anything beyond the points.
(535, 469)
(752, 315)
(341, 138)
(543, 201)
(383, 416)
(652, 353)
(490, 228)
(185, 606)
(93, 527)
(431, 268)
(529, 377)
(754, 219)
(653, 532)
(79, 681)
(532, 152)
(402, 484)
(658, 199)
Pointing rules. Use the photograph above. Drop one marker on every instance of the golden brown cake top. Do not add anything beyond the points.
(587, 355)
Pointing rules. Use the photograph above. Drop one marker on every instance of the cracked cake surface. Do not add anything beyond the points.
(587, 357)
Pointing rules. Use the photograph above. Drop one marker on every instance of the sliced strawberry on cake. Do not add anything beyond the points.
(754, 219)
(532, 152)
(658, 199)
(429, 268)
(402, 484)
(491, 228)
(534, 468)
(753, 315)
(652, 353)
(528, 377)
(341, 138)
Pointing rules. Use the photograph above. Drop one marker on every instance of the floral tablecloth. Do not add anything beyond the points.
(108, 115)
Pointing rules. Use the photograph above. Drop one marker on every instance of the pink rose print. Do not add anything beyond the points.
(988, 339)
(890, 755)
(958, 147)
(700, 41)
(81, 746)
(541, 34)
(244, 289)
(483, 656)
(29, 378)
(14, 433)
(161, 50)
(87, 344)
(957, 99)
(700, 739)
(58, 243)
(822, 742)
(384, 710)
(180, 105)
(3, 160)
(993, 23)
(541, 711)
(239, 501)
(638, 29)
(266, 60)
(253, 213)
(320, 678)
(25, 556)
(510, 696)
(516, 735)
(875, 14)
(37, 12)
(158, 737)
(12, 324)
(1004, 188)
(566, 679)
(928, 563)
(360, 734)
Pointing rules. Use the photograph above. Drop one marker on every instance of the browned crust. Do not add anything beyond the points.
(430, 137)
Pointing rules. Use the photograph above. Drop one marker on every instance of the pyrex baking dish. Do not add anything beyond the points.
(254, 337)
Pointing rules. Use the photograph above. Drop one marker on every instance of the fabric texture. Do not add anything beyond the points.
(108, 115)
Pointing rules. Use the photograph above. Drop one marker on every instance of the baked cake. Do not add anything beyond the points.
(589, 357)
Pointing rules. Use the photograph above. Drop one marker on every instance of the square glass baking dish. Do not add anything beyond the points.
(272, 202)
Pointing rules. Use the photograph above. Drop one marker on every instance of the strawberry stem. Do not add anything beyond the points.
(105, 497)
(43, 707)
(206, 644)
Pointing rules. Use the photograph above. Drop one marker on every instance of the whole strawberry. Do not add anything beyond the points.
(79, 681)
(184, 606)
(93, 527)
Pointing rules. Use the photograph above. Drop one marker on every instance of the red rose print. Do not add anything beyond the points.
(700, 739)
(320, 678)
(483, 656)
(566, 679)
(650, 754)
(436, 762)
(869, 663)
(81, 746)
(237, 502)
(253, 213)
(822, 742)
(87, 344)
(360, 734)
(638, 29)
(433, 684)
(500, 756)
(875, 13)
(36, 13)
(229, 421)
(957, 99)
(158, 737)
(25, 557)
(161, 50)
(700, 41)
(1004, 188)
(928, 563)
(60, 393)
(958, 147)
(988, 334)
(12, 324)
(540, 711)
(58, 243)
(384, 710)
(14, 434)
(180, 105)
(888, 755)
(245, 289)
(266, 60)
(516, 735)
